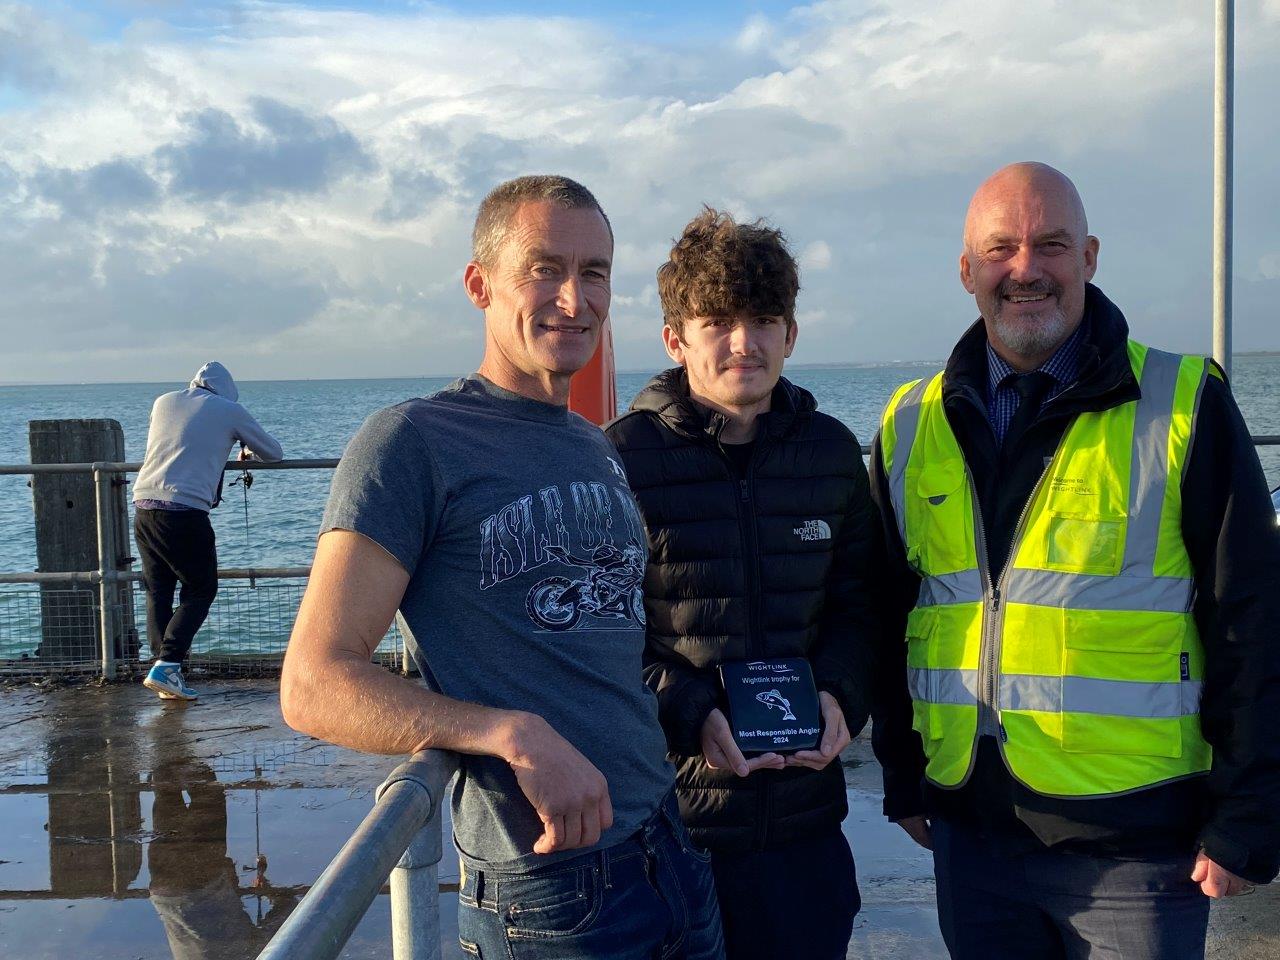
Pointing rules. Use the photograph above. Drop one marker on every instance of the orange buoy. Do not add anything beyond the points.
(593, 391)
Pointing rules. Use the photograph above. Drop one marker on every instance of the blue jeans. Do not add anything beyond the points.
(650, 897)
(1050, 905)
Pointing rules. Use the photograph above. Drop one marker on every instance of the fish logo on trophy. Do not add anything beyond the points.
(772, 698)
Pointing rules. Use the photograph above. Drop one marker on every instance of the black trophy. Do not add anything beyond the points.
(773, 705)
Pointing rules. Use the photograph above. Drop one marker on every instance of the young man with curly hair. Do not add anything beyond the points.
(761, 535)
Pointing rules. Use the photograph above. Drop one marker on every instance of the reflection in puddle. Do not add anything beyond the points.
(119, 842)
(195, 887)
(134, 832)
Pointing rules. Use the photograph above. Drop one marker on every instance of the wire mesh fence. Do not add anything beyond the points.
(47, 631)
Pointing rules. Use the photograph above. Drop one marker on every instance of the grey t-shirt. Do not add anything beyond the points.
(526, 554)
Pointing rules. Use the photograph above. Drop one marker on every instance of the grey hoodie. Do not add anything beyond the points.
(190, 439)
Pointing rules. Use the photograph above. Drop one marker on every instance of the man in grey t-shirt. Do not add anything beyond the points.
(500, 526)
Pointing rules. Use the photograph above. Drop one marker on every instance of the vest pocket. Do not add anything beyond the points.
(1121, 691)
(1083, 543)
(922, 661)
(946, 517)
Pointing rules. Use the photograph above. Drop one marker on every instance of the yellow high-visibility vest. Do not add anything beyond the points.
(1083, 659)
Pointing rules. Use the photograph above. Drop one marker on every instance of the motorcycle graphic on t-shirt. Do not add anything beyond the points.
(611, 588)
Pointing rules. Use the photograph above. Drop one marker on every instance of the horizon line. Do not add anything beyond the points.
(834, 364)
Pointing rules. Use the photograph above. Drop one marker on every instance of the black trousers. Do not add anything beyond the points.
(1052, 905)
(793, 902)
(176, 547)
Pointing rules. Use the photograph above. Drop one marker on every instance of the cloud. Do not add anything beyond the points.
(816, 256)
(27, 45)
(290, 151)
(757, 35)
(298, 183)
(411, 193)
(110, 186)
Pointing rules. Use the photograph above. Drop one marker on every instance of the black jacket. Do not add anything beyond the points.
(743, 568)
(1230, 532)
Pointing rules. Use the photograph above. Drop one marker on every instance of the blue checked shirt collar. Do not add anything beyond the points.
(1002, 398)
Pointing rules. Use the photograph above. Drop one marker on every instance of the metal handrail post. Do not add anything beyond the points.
(107, 613)
(407, 803)
(415, 896)
(415, 882)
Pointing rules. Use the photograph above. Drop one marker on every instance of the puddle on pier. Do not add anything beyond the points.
(132, 830)
(176, 864)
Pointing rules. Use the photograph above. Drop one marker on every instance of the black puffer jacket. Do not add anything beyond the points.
(776, 564)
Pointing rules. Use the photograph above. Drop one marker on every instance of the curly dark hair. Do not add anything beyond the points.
(719, 267)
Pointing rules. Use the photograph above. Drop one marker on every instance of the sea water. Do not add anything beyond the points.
(316, 418)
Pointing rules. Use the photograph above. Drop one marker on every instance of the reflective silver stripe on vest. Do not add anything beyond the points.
(1020, 691)
(1080, 591)
(906, 423)
(964, 586)
(1136, 587)
(959, 687)
(1149, 467)
(1117, 698)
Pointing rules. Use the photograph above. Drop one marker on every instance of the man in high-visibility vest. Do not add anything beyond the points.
(1082, 666)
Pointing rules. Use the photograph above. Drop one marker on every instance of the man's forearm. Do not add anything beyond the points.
(353, 702)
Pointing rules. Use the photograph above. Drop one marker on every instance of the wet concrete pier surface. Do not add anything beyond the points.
(132, 828)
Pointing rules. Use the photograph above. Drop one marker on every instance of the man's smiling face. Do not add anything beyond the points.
(548, 294)
(732, 361)
(1027, 259)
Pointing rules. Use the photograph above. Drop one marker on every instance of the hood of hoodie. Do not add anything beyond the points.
(667, 397)
(216, 378)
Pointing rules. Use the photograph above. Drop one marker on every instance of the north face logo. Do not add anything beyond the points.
(813, 530)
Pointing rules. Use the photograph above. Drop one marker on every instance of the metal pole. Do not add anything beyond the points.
(1223, 96)
(408, 803)
(107, 613)
(415, 897)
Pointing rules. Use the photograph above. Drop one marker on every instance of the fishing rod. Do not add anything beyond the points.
(246, 481)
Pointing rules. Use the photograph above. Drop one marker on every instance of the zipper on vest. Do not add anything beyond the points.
(987, 671)
(993, 632)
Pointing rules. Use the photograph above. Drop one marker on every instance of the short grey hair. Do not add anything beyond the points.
(497, 209)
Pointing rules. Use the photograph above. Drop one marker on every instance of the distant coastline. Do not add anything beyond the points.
(835, 365)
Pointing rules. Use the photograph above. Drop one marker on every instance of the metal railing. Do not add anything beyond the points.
(107, 578)
(401, 836)
(107, 611)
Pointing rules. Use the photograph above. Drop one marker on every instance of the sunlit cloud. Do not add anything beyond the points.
(295, 185)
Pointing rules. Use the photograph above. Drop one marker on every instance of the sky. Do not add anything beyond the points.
(289, 187)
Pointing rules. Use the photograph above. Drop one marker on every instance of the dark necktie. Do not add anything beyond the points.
(1032, 389)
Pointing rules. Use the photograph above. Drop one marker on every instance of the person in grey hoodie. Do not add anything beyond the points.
(191, 436)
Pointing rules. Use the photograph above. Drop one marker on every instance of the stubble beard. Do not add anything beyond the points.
(1033, 334)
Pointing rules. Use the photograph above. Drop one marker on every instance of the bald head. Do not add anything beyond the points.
(1027, 258)
(1017, 185)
